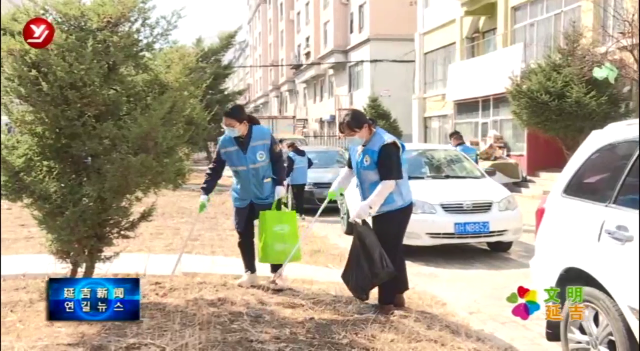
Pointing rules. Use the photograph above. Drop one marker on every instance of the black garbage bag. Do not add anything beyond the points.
(368, 265)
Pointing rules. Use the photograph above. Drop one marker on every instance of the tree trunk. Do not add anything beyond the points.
(209, 154)
(75, 265)
(90, 266)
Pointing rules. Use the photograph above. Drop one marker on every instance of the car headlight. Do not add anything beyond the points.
(509, 203)
(421, 207)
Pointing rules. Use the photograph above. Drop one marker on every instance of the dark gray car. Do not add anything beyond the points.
(327, 163)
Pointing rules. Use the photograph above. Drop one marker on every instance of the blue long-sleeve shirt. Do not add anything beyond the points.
(214, 172)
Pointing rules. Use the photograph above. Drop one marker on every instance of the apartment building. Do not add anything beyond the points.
(467, 50)
(331, 36)
(241, 78)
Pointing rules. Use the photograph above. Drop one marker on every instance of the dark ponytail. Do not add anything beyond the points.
(354, 120)
(253, 120)
(238, 113)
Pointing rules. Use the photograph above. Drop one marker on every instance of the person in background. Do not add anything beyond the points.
(375, 160)
(298, 165)
(257, 163)
(457, 141)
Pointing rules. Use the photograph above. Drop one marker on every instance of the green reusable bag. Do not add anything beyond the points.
(278, 236)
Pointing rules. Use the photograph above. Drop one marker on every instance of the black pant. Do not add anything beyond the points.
(244, 217)
(390, 228)
(297, 190)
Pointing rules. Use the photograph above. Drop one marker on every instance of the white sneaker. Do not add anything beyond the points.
(248, 280)
(278, 284)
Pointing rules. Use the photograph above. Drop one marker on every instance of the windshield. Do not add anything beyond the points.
(440, 164)
(327, 158)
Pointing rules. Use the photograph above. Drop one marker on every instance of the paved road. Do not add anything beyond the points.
(473, 281)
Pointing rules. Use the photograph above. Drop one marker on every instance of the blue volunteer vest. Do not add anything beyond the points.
(299, 174)
(252, 174)
(366, 170)
(471, 152)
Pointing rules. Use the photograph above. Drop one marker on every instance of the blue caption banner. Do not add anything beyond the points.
(93, 299)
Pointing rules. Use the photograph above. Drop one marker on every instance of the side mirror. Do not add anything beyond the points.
(491, 172)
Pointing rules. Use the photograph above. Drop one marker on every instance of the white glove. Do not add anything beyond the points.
(342, 182)
(280, 192)
(363, 212)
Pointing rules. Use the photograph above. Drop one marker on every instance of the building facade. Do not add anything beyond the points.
(335, 44)
(466, 52)
(241, 77)
(305, 60)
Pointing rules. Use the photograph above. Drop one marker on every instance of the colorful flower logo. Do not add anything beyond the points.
(526, 303)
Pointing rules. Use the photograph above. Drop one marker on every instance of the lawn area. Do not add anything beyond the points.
(210, 313)
(165, 234)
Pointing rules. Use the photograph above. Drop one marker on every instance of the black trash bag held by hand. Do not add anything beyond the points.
(368, 265)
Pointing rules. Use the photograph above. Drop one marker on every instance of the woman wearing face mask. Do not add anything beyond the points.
(257, 163)
(375, 160)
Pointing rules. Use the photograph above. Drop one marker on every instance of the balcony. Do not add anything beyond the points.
(296, 61)
(484, 75)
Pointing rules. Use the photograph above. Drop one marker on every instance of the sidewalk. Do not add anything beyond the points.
(42, 265)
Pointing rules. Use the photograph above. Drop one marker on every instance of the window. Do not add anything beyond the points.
(427, 3)
(305, 96)
(315, 92)
(351, 25)
(321, 84)
(541, 24)
(361, 18)
(325, 4)
(598, 177)
(474, 119)
(356, 77)
(612, 19)
(307, 14)
(437, 129)
(270, 27)
(282, 68)
(437, 65)
(269, 4)
(270, 51)
(325, 34)
(330, 85)
(282, 39)
(471, 45)
(489, 41)
(271, 77)
(299, 53)
(281, 10)
(298, 22)
(307, 42)
(628, 192)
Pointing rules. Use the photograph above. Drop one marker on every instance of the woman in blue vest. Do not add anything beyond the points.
(375, 160)
(298, 165)
(257, 163)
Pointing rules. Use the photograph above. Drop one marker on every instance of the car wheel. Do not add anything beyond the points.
(500, 246)
(603, 326)
(345, 225)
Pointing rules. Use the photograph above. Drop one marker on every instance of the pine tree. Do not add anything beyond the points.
(377, 111)
(560, 97)
(101, 123)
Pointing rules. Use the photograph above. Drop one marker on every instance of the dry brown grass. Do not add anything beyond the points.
(210, 313)
(165, 234)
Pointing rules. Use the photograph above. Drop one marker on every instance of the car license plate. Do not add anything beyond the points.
(469, 228)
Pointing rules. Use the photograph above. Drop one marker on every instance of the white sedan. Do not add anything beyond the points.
(454, 201)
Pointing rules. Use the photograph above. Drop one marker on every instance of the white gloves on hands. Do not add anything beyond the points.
(280, 192)
(363, 212)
